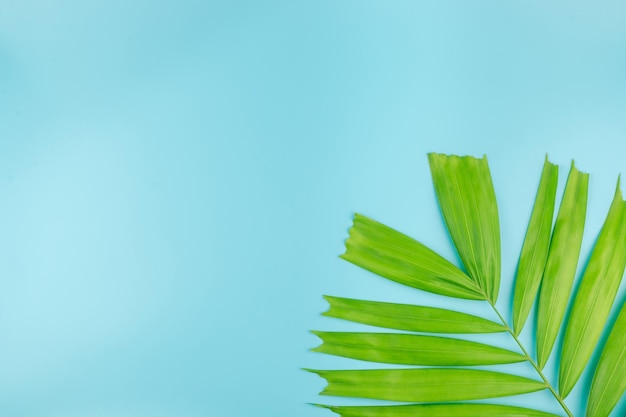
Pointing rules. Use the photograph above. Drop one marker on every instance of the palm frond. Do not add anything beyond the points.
(393, 255)
(468, 203)
(437, 410)
(609, 384)
(426, 384)
(438, 380)
(595, 296)
(413, 349)
(558, 276)
(534, 254)
(409, 317)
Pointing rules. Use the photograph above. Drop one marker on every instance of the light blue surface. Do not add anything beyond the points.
(177, 179)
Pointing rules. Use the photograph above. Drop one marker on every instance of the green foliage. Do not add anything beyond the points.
(437, 381)
(532, 260)
(560, 268)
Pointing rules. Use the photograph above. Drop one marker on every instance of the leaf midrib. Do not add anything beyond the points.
(531, 361)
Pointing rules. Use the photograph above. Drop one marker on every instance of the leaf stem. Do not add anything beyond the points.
(532, 362)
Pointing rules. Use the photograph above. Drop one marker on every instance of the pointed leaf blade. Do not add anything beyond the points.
(561, 263)
(468, 203)
(408, 317)
(609, 383)
(535, 247)
(411, 349)
(437, 410)
(395, 256)
(426, 384)
(595, 295)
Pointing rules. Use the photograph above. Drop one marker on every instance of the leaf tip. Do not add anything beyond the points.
(357, 219)
(547, 163)
(618, 187)
(332, 408)
(320, 335)
(319, 405)
(573, 168)
(329, 299)
(433, 157)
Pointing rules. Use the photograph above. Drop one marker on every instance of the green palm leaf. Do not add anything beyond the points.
(426, 384)
(412, 349)
(393, 255)
(609, 383)
(532, 260)
(409, 317)
(438, 410)
(561, 264)
(468, 203)
(595, 295)
(439, 380)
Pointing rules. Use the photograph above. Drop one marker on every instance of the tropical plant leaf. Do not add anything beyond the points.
(609, 383)
(561, 263)
(468, 202)
(393, 255)
(412, 349)
(535, 248)
(409, 317)
(465, 193)
(595, 296)
(426, 384)
(437, 410)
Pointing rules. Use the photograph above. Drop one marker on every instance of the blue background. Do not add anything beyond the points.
(177, 179)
